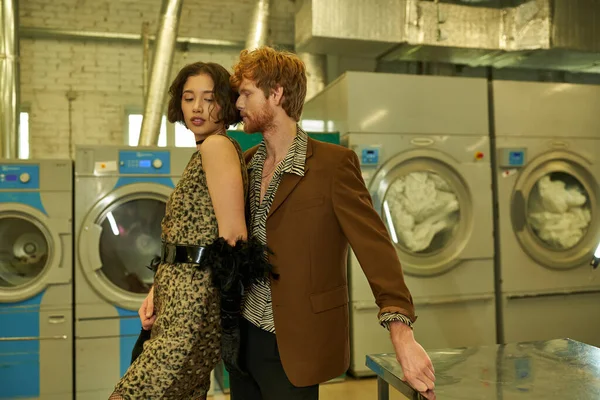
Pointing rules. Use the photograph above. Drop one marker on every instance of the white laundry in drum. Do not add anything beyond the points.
(422, 205)
(559, 211)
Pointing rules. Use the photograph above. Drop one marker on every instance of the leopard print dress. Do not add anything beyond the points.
(185, 343)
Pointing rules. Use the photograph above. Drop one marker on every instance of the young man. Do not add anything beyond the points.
(307, 201)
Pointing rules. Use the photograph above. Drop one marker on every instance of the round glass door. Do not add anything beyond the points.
(558, 211)
(130, 238)
(24, 252)
(425, 206)
(422, 212)
(553, 211)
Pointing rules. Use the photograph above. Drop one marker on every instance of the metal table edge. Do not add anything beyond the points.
(393, 380)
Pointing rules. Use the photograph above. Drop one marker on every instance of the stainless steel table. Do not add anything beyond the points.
(554, 369)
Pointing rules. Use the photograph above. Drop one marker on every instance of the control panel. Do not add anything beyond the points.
(512, 157)
(19, 176)
(369, 156)
(145, 162)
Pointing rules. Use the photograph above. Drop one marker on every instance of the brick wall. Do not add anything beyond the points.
(104, 78)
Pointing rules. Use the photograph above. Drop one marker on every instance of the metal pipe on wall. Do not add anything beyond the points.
(67, 34)
(9, 79)
(145, 58)
(161, 72)
(259, 25)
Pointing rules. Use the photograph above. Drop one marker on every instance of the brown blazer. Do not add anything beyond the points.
(311, 222)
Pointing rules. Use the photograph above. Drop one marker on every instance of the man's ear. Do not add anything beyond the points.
(277, 95)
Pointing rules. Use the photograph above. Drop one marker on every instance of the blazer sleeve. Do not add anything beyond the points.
(369, 239)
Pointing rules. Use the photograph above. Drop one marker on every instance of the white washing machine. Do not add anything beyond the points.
(424, 151)
(36, 300)
(548, 141)
(121, 194)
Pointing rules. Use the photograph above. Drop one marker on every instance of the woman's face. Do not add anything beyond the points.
(200, 109)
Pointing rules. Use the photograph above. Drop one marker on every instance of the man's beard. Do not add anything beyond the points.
(260, 122)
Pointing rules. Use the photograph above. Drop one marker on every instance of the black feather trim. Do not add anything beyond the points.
(230, 265)
(235, 268)
(154, 263)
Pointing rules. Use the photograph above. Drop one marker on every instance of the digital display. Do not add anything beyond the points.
(11, 178)
(144, 163)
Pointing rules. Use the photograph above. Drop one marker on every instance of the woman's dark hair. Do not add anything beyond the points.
(223, 93)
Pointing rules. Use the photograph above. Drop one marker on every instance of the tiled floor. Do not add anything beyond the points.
(351, 389)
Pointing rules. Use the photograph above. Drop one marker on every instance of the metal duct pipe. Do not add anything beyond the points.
(161, 71)
(538, 34)
(145, 58)
(66, 34)
(316, 73)
(9, 79)
(259, 25)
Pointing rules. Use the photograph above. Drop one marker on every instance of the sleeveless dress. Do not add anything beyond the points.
(185, 343)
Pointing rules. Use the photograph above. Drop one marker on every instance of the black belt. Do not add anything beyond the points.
(172, 254)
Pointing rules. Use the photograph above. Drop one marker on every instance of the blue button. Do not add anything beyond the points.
(516, 158)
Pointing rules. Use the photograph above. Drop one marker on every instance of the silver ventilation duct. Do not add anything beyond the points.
(161, 71)
(259, 26)
(9, 79)
(316, 73)
(542, 34)
(316, 64)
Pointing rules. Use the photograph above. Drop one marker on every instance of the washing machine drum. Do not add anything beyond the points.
(423, 211)
(130, 239)
(23, 252)
(559, 211)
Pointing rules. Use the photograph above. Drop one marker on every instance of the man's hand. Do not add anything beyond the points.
(146, 311)
(416, 365)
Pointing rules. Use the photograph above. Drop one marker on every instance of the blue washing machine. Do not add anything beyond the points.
(121, 194)
(36, 300)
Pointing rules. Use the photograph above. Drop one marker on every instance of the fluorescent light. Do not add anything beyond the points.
(113, 224)
(388, 217)
(596, 259)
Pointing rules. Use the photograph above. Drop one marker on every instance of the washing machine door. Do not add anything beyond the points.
(30, 252)
(119, 238)
(426, 207)
(555, 210)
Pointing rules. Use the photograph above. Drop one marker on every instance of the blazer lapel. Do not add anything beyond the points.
(286, 186)
(289, 182)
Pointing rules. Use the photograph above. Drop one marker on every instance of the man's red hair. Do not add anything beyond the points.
(269, 68)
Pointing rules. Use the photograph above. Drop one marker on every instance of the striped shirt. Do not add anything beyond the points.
(257, 304)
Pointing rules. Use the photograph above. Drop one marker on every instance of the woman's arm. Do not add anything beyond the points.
(224, 178)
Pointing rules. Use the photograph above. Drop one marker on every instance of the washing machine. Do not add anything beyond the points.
(36, 300)
(423, 146)
(548, 141)
(121, 194)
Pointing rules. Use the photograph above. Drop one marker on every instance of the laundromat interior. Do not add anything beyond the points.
(477, 128)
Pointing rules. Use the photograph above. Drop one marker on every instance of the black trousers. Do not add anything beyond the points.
(265, 379)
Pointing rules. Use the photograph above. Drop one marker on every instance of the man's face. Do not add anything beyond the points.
(256, 111)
